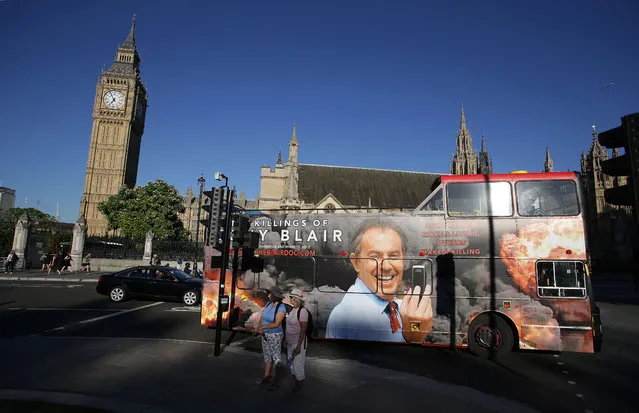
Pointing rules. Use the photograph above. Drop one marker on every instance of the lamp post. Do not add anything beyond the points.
(190, 221)
(201, 182)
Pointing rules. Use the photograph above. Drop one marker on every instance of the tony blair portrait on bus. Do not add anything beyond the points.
(371, 310)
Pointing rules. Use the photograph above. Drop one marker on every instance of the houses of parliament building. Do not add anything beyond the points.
(119, 116)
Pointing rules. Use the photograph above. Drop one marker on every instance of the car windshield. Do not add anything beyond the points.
(181, 275)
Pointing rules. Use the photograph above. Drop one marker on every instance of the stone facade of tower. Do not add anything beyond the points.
(119, 111)
(610, 227)
(189, 216)
(465, 160)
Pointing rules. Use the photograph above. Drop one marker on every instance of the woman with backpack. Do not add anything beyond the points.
(297, 323)
(270, 327)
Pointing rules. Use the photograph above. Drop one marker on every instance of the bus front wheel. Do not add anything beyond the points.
(490, 336)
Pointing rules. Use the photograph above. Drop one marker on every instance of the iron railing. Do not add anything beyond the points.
(169, 250)
(114, 248)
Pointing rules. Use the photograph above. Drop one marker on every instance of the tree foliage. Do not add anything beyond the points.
(154, 207)
(39, 220)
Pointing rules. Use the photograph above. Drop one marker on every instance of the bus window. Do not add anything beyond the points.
(435, 202)
(547, 198)
(561, 279)
(470, 199)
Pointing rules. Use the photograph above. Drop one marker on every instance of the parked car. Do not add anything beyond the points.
(154, 282)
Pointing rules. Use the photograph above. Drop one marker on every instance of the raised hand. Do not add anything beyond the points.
(416, 312)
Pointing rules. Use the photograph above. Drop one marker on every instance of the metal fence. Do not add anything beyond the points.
(174, 250)
(115, 248)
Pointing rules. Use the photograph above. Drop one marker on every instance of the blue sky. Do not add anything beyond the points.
(375, 84)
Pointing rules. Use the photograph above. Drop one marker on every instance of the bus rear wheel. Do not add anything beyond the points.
(490, 336)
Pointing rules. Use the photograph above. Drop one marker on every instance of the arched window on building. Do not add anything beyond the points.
(329, 208)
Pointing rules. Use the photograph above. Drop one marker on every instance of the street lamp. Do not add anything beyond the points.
(219, 176)
(201, 182)
(190, 221)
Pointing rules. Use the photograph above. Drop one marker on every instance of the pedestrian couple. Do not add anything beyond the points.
(295, 321)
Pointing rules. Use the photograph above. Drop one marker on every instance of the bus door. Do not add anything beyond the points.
(470, 273)
(553, 269)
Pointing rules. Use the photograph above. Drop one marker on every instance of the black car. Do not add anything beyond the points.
(164, 283)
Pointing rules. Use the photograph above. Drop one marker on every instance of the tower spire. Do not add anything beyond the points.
(465, 158)
(485, 166)
(129, 42)
(293, 146)
(548, 167)
(462, 122)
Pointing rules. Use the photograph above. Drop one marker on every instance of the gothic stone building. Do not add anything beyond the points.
(611, 229)
(465, 159)
(339, 189)
(118, 124)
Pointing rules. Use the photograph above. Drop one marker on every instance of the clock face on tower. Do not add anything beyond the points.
(113, 99)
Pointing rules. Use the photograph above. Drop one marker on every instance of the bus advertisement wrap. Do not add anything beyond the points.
(418, 278)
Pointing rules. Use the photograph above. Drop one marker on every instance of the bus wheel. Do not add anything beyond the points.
(490, 336)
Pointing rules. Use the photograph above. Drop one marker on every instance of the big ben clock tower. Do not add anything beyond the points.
(118, 124)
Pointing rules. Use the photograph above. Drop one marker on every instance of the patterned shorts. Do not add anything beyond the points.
(272, 347)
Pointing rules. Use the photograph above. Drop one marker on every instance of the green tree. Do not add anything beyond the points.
(154, 207)
(9, 218)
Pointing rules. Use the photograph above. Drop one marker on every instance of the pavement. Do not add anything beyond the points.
(40, 275)
(62, 342)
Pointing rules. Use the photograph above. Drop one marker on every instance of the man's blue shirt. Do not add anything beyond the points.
(361, 315)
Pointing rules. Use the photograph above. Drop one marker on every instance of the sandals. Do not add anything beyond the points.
(263, 380)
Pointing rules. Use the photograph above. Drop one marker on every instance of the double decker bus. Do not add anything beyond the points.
(489, 262)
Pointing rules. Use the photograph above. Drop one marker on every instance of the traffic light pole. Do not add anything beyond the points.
(225, 264)
(235, 265)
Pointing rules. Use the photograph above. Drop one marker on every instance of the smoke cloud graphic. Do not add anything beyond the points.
(475, 282)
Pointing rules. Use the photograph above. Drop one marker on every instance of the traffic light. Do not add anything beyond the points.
(240, 229)
(214, 208)
(627, 165)
(250, 261)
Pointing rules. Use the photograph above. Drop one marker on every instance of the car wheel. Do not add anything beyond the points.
(489, 336)
(191, 298)
(117, 294)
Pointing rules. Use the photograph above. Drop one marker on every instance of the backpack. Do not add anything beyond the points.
(309, 327)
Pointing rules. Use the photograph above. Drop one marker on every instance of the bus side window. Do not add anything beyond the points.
(564, 279)
(435, 202)
(471, 199)
(547, 198)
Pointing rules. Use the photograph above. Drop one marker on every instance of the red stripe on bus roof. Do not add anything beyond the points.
(509, 177)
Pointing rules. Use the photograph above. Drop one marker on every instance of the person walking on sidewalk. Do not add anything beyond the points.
(44, 260)
(86, 263)
(296, 341)
(270, 327)
(66, 262)
(10, 262)
(56, 262)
